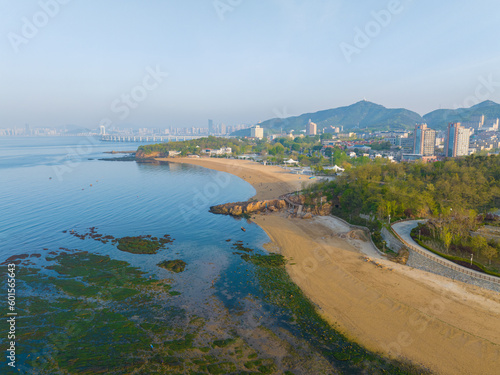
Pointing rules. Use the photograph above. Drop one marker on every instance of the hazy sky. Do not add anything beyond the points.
(239, 61)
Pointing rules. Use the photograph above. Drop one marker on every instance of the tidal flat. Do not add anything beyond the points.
(84, 313)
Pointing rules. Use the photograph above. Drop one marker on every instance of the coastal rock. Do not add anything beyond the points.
(142, 155)
(247, 208)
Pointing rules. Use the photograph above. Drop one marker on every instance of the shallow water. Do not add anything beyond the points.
(51, 185)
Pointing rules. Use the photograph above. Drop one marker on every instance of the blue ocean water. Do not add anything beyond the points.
(51, 185)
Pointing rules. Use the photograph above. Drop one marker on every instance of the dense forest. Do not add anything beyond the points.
(455, 195)
(406, 190)
(239, 146)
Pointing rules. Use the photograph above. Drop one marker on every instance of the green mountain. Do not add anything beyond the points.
(440, 118)
(361, 115)
(367, 115)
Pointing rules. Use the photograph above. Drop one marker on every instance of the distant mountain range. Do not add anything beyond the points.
(371, 116)
(441, 117)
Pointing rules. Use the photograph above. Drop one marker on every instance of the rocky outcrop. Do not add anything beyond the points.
(247, 208)
(151, 155)
(313, 206)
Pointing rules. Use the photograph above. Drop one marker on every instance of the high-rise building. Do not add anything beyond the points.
(424, 140)
(457, 140)
(257, 132)
(222, 129)
(475, 122)
(211, 129)
(311, 128)
(102, 130)
(406, 145)
(492, 125)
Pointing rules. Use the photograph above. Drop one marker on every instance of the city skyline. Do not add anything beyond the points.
(178, 64)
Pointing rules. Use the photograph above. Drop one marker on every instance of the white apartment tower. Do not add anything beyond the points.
(311, 128)
(257, 132)
(457, 140)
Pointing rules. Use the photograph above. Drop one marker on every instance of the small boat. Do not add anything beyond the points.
(243, 229)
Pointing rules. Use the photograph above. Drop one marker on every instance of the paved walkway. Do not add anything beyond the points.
(403, 228)
(423, 259)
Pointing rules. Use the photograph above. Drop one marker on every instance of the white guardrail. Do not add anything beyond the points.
(445, 262)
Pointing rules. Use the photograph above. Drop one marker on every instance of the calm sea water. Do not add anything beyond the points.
(52, 185)
(49, 185)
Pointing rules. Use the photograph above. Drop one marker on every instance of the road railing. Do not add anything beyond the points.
(445, 262)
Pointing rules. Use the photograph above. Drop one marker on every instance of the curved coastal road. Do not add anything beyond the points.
(403, 228)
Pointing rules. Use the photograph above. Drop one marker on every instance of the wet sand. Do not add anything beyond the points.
(269, 181)
(445, 325)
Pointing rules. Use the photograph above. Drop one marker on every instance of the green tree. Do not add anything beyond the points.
(479, 244)
(446, 237)
(326, 136)
(489, 252)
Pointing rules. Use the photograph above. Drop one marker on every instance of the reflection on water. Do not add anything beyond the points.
(44, 195)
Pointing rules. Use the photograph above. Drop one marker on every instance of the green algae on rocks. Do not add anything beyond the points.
(144, 244)
(268, 260)
(103, 316)
(173, 265)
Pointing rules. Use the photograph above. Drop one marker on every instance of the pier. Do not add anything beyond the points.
(151, 138)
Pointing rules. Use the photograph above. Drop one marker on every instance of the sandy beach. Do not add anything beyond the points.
(269, 181)
(446, 326)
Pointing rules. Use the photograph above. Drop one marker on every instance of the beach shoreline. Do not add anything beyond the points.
(401, 312)
(269, 181)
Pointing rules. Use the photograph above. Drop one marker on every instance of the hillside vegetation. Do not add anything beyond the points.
(440, 118)
(454, 195)
(418, 190)
(196, 145)
(370, 116)
(360, 115)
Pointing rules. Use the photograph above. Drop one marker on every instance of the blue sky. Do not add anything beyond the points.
(239, 61)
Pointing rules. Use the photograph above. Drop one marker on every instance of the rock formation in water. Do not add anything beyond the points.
(247, 208)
